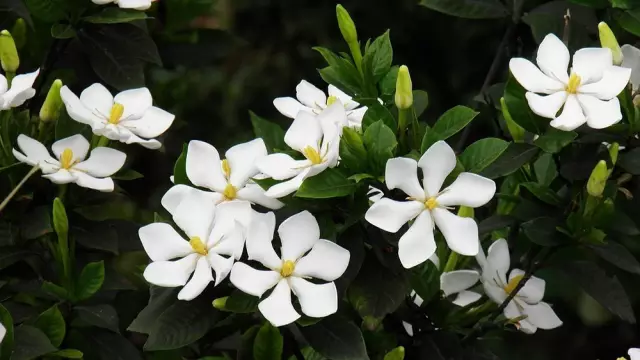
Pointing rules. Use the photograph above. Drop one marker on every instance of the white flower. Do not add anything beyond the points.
(314, 101)
(303, 256)
(317, 138)
(528, 301)
(429, 206)
(129, 117)
(212, 230)
(21, 90)
(631, 61)
(127, 4)
(634, 353)
(70, 165)
(228, 179)
(588, 95)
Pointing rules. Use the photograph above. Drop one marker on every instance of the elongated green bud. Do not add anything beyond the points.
(8, 52)
(608, 40)
(465, 211)
(395, 354)
(598, 179)
(50, 110)
(516, 131)
(613, 152)
(19, 32)
(404, 89)
(347, 27)
(220, 303)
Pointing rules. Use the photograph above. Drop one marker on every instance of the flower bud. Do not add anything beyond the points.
(465, 211)
(8, 52)
(346, 25)
(220, 303)
(608, 40)
(395, 354)
(613, 152)
(598, 179)
(404, 89)
(19, 32)
(50, 110)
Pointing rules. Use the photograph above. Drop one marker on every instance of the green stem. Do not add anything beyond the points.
(451, 262)
(62, 191)
(15, 190)
(10, 75)
(402, 123)
(357, 55)
(103, 141)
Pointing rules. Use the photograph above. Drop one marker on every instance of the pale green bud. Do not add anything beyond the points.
(465, 211)
(598, 179)
(395, 354)
(50, 110)
(608, 40)
(19, 32)
(220, 303)
(404, 89)
(613, 152)
(346, 25)
(8, 52)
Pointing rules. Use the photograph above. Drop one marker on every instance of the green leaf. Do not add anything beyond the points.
(268, 343)
(117, 208)
(102, 316)
(512, 159)
(114, 15)
(60, 221)
(628, 20)
(425, 280)
(545, 169)
(272, 134)
(336, 338)
(128, 174)
(160, 300)
(376, 112)
(420, 101)
(180, 168)
(63, 31)
(330, 183)
(495, 222)
(482, 153)
(52, 324)
(519, 108)
(378, 57)
(36, 223)
(625, 4)
(245, 350)
(554, 140)
(90, 280)
(55, 290)
(617, 255)
(240, 302)
(542, 231)
(395, 354)
(68, 354)
(341, 72)
(452, 121)
(380, 142)
(353, 155)
(7, 345)
(630, 161)
(543, 193)
(30, 343)
(470, 9)
(47, 10)
(100, 344)
(11, 255)
(549, 18)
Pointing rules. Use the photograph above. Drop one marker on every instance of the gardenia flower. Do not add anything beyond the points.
(317, 138)
(228, 179)
(21, 90)
(588, 94)
(527, 306)
(70, 165)
(430, 206)
(127, 4)
(129, 117)
(631, 60)
(314, 101)
(212, 231)
(303, 256)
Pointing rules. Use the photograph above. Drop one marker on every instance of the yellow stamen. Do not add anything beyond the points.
(513, 283)
(198, 246)
(574, 83)
(66, 159)
(226, 169)
(431, 203)
(287, 268)
(331, 100)
(312, 155)
(229, 192)
(116, 113)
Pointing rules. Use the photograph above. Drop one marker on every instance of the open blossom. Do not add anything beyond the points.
(303, 256)
(587, 95)
(228, 179)
(314, 101)
(69, 164)
(317, 138)
(429, 206)
(527, 305)
(215, 240)
(127, 4)
(129, 117)
(20, 91)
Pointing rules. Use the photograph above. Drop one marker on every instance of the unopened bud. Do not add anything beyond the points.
(346, 25)
(465, 211)
(598, 179)
(8, 52)
(608, 40)
(404, 89)
(636, 101)
(516, 131)
(220, 303)
(19, 32)
(50, 110)
(395, 354)
(613, 152)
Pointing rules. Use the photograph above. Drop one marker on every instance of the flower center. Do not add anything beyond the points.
(312, 155)
(229, 192)
(287, 268)
(198, 246)
(226, 169)
(513, 283)
(431, 203)
(116, 113)
(66, 159)
(331, 100)
(574, 83)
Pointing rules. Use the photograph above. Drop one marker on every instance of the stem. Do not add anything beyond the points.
(451, 262)
(357, 55)
(402, 123)
(15, 190)
(10, 75)
(62, 191)
(103, 141)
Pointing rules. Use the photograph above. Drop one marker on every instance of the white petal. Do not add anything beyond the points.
(199, 281)
(34, 151)
(4, 86)
(21, 89)
(532, 79)
(171, 273)
(499, 260)
(435, 260)
(194, 215)
(251, 281)
(221, 266)
(632, 61)
(634, 354)
(304, 131)
(417, 244)
(456, 281)
(600, 113)
(590, 63)
(256, 195)
(289, 106)
(355, 116)
(230, 218)
(3, 332)
(134, 4)
(331, 120)
(102, 162)
(90, 182)
(97, 99)
(389, 215)
(408, 328)
(494, 292)
(374, 194)
(541, 315)
(162, 242)
(345, 99)
(242, 160)
(61, 176)
(131, 138)
(533, 290)
(298, 234)
(135, 101)
(436, 164)
(277, 308)
(553, 58)
(259, 237)
(546, 105)
(316, 300)
(468, 190)
(571, 117)
(402, 173)
(466, 297)
(310, 95)
(614, 81)
(203, 166)
(76, 109)
(153, 123)
(460, 233)
(76, 143)
(174, 196)
(231, 244)
(326, 261)
(280, 166)
(287, 187)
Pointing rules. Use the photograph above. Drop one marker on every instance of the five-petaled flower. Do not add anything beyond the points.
(527, 309)
(429, 206)
(587, 95)
(70, 165)
(129, 117)
(315, 137)
(213, 231)
(20, 91)
(314, 101)
(127, 4)
(303, 255)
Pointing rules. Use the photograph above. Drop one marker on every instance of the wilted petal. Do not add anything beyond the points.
(614, 81)
(102, 162)
(90, 182)
(436, 164)
(402, 173)
(553, 58)
(304, 131)
(162, 242)
(153, 123)
(289, 106)
(198, 282)
(417, 244)
(316, 300)
(532, 79)
(135, 101)
(251, 281)
(456, 281)
(600, 113)
(194, 215)
(389, 215)
(466, 297)
(571, 117)
(310, 95)
(590, 63)
(171, 273)
(97, 99)
(255, 194)
(468, 190)
(460, 233)
(326, 261)
(76, 143)
(259, 237)
(298, 234)
(203, 166)
(242, 160)
(546, 105)
(541, 315)
(277, 308)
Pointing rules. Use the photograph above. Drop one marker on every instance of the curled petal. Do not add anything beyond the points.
(203, 166)
(242, 160)
(33, 152)
(251, 281)
(102, 162)
(288, 187)
(255, 194)
(199, 281)
(281, 166)
(532, 79)
(402, 173)
(21, 89)
(456, 281)
(194, 215)
(61, 176)
(289, 106)
(541, 315)
(499, 260)
(298, 234)
(600, 113)
(614, 81)
(553, 58)
(590, 63)
(546, 106)
(221, 266)
(259, 238)
(468, 190)
(310, 95)
(153, 123)
(171, 273)
(162, 242)
(304, 131)
(571, 117)
(90, 182)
